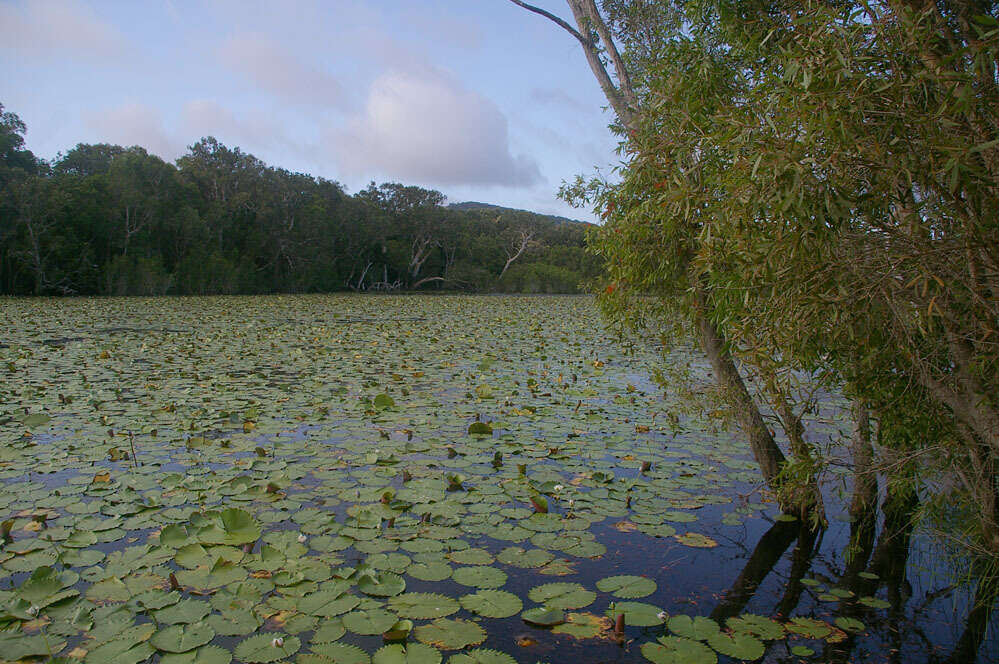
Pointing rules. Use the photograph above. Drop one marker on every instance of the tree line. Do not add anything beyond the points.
(111, 220)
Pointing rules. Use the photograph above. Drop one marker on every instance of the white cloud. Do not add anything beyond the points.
(249, 130)
(135, 124)
(274, 70)
(54, 27)
(426, 127)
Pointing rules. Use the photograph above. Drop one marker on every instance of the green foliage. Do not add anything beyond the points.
(110, 220)
(818, 181)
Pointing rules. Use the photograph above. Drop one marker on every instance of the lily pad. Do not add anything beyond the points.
(627, 587)
(267, 647)
(492, 603)
(448, 634)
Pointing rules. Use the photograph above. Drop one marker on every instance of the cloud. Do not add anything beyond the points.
(426, 127)
(51, 27)
(255, 131)
(134, 124)
(273, 70)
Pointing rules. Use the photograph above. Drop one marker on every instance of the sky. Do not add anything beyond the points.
(479, 99)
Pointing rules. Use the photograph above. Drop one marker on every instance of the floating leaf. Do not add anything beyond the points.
(543, 616)
(737, 645)
(492, 603)
(410, 653)
(764, 628)
(637, 614)
(423, 606)
(697, 628)
(627, 587)
(451, 634)
(482, 656)
(370, 621)
(696, 540)
(678, 650)
(181, 638)
(584, 626)
(562, 595)
(480, 577)
(267, 647)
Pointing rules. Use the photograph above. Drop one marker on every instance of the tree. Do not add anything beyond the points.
(682, 282)
(819, 181)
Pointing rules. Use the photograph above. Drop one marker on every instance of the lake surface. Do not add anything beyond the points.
(287, 478)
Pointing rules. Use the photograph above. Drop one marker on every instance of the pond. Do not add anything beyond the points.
(320, 479)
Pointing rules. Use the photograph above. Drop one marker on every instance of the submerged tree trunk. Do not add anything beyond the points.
(801, 501)
(865, 479)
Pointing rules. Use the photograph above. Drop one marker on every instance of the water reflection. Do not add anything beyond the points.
(873, 560)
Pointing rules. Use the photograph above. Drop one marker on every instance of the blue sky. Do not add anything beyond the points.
(477, 98)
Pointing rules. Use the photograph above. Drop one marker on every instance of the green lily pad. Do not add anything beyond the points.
(267, 647)
(562, 595)
(678, 650)
(482, 656)
(480, 577)
(410, 653)
(737, 645)
(182, 638)
(627, 587)
(697, 628)
(369, 621)
(760, 627)
(423, 606)
(492, 603)
(448, 634)
(543, 616)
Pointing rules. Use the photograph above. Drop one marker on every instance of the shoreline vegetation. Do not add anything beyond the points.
(111, 220)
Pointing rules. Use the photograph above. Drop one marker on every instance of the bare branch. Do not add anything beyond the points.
(552, 17)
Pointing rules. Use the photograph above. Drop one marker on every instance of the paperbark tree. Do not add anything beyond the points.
(597, 42)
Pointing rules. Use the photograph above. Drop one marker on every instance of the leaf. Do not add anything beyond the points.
(584, 626)
(737, 645)
(480, 429)
(849, 624)
(448, 634)
(492, 603)
(562, 595)
(181, 638)
(482, 656)
(203, 655)
(328, 604)
(369, 622)
(764, 628)
(267, 647)
(809, 627)
(543, 616)
(627, 587)
(637, 614)
(480, 577)
(410, 653)
(423, 606)
(382, 584)
(696, 540)
(678, 650)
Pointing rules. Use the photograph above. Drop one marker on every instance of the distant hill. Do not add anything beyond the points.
(475, 205)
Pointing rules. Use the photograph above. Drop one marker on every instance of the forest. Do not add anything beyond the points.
(112, 220)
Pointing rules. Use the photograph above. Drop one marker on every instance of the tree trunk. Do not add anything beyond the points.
(865, 479)
(799, 501)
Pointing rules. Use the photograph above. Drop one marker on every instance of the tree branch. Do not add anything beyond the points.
(552, 17)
